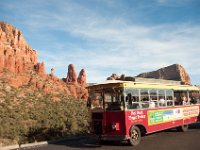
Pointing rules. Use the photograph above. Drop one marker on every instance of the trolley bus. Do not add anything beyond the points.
(126, 110)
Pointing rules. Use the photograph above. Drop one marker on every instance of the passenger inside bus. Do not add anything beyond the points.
(181, 98)
(175, 101)
(162, 102)
(178, 97)
(184, 100)
(194, 97)
(179, 101)
(193, 100)
(151, 98)
(132, 102)
(152, 104)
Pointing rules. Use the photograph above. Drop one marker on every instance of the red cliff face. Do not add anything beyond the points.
(19, 66)
(173, 72)
(40, 69)
(15, 54)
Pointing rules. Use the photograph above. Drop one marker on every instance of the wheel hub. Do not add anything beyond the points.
(134, 135)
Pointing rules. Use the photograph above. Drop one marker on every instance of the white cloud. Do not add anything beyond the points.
(126, 47)
(113, 44)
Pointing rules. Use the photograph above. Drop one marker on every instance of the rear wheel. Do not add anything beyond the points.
(135, 136)
(100, 141)
(183, 128)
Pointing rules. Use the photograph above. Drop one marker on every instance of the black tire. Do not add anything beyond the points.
(183, 128)
(100, 141)
(135, 136)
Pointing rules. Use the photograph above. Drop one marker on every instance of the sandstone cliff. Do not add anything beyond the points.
(19, 67)
(15, 54)
(173, 72)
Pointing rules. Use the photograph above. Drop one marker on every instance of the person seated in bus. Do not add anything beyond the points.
(152, 104)
(184, 100)
(145, 102)
(135, 102)
(162, 102)
(178, 101)
(193, 100)
(132, 103)
(129, 100)
(169, 101)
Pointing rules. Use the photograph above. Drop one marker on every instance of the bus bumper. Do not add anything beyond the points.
(114, 137)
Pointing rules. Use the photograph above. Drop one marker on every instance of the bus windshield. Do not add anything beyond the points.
(108, 99)
(113, 99)
(95, 100)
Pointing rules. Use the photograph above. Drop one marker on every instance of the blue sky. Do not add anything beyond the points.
(109, 36)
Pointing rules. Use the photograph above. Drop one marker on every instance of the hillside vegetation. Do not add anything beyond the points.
(29, 116)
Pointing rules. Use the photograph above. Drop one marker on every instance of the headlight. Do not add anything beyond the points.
(115, 126)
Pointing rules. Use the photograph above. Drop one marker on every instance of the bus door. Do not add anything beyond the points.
(114, 116)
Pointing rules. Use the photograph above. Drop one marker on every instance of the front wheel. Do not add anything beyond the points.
(135, 136)
(183, 128)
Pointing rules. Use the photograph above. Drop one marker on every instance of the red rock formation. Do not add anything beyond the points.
(82, 78)
(40, 69)
(33, 82)
(19, 66)
(52, 72)
(173, 72)
(18, 81)
(53, 77)
(114, 76)
(73, 91)
(15, 54)
(71, 75)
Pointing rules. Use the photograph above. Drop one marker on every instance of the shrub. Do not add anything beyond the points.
(36, 117)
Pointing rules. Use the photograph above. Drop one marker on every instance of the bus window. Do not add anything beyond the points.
(169, 94)
(108, 98)
(184, 98)
(135, 94)
(180, 97)
(161, 96)
(132, 98)
(194, 97)
(153, 98)
(169, 97)
(153, 94)
(113, 100)
(144, 95)
(96, 100)
(177, 97)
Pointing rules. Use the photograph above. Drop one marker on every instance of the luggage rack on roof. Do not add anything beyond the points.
(160, 81)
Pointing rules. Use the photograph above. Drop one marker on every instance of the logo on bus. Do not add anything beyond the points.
(136, 116)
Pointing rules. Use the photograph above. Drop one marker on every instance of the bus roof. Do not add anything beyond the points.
(132, 84)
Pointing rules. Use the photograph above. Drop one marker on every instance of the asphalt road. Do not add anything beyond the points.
(165, 140)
